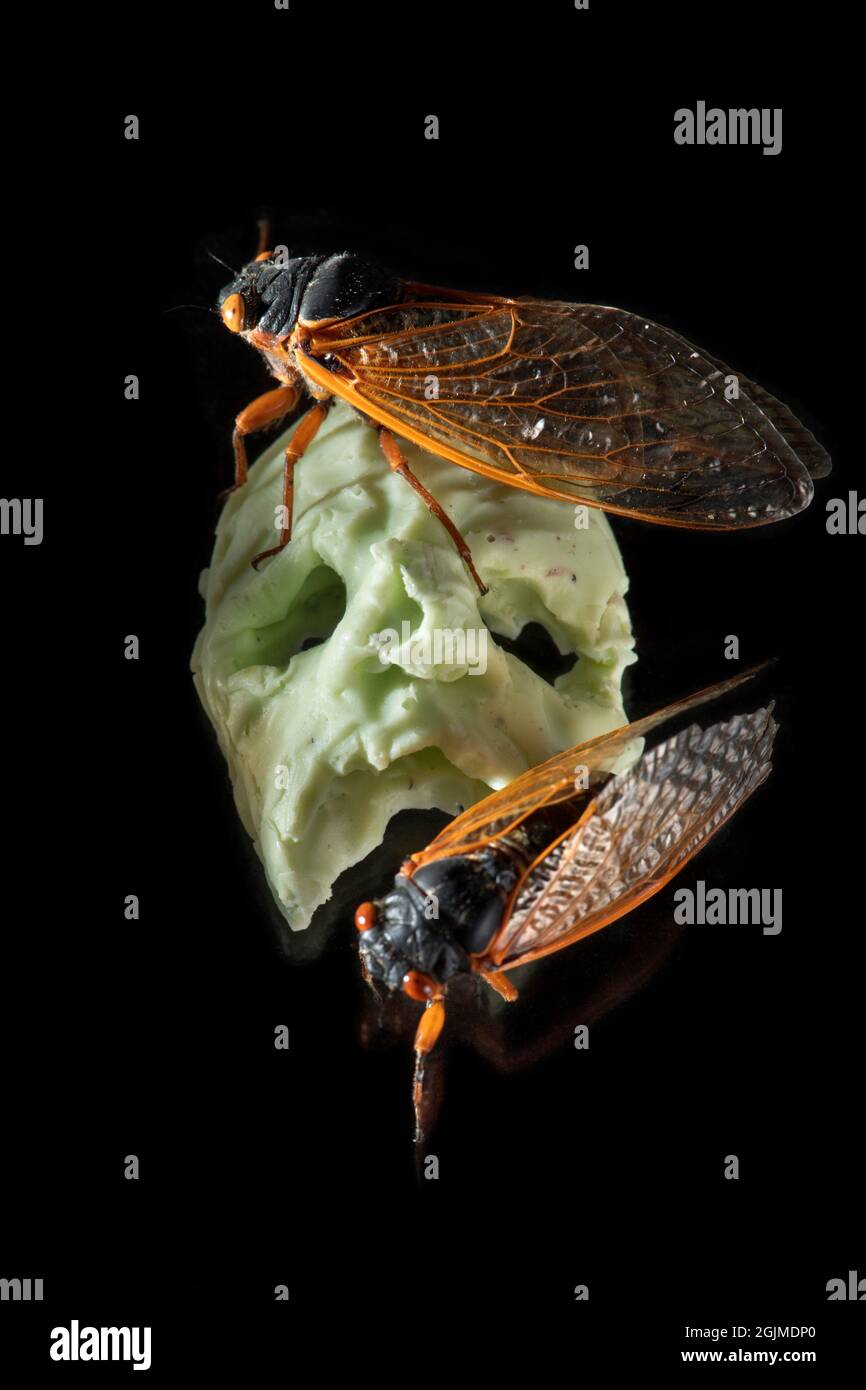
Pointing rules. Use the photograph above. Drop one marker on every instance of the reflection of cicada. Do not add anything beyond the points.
(588, 404)
(561, 852)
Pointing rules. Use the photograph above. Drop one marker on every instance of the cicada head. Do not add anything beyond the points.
(404, 948)
(264, 297)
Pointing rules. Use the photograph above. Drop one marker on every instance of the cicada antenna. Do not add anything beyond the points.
(205, 309)
(223, 263)
(370, 982)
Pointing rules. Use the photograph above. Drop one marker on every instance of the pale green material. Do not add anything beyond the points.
(325, 745)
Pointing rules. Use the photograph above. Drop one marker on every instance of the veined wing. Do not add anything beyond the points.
(641, 829)
(554, 781)
(581, 402)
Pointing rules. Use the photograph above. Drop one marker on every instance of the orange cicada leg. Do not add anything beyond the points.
(265, 410)
(501, 984)
(430, 1025)
(264, 252)
(303, 435)
(397, 461)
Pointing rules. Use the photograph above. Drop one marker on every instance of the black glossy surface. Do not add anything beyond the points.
(557, 1167)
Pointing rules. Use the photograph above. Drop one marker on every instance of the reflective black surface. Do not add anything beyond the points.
(155, 1037)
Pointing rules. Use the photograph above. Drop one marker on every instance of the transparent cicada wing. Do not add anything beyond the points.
(638, 832)
(581, 402)
(555, 780)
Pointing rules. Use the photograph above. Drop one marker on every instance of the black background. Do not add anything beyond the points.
(156, 1038)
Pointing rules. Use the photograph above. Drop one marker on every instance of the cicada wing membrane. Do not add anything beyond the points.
(811, 454)
(638, 832)
(580, 402)
(554, 781)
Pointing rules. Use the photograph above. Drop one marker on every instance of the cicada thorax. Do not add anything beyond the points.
(439, 919)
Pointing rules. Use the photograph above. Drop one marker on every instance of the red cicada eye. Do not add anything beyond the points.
(233, 313)
(419, 986)
(365, 917)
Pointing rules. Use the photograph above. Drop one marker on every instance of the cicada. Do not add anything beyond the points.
(588, 404)
(562, 851)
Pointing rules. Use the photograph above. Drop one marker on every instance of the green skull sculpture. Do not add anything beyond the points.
(358, 672)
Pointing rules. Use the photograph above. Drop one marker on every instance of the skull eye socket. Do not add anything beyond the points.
(536, 648)
(419, 986)
(233, 313)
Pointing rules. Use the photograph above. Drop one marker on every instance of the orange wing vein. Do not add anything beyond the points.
(580, 402)
(553, 781)
(641, 829)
